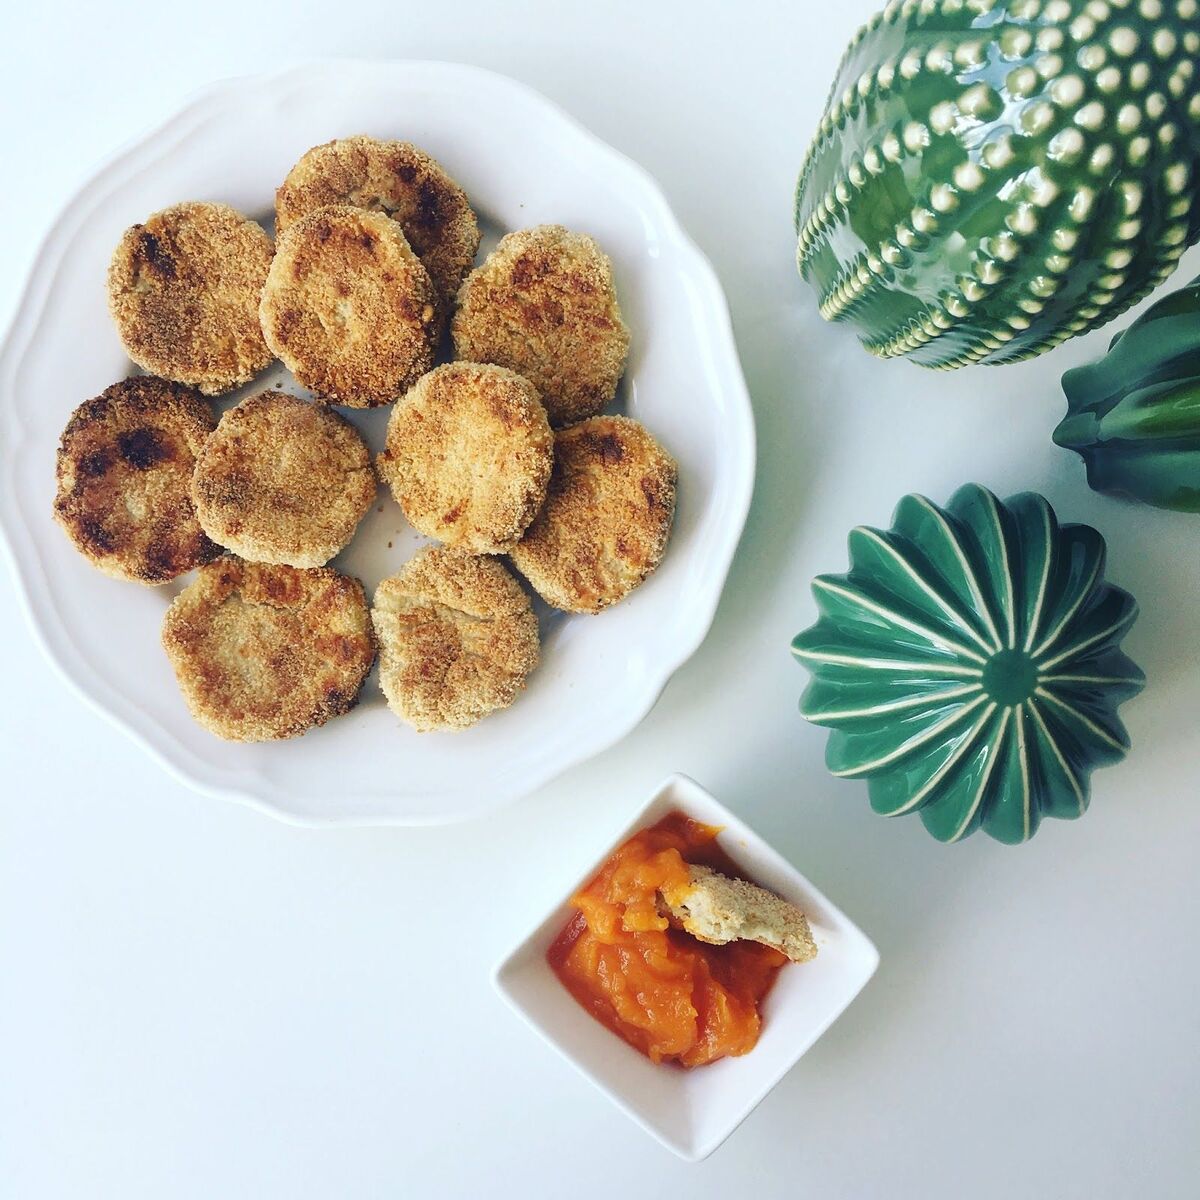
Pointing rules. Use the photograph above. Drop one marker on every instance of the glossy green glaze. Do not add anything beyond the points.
(992, 177)
(1134, 417)
(969, 664)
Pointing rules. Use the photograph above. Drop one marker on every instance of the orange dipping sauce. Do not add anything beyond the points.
(674, 998)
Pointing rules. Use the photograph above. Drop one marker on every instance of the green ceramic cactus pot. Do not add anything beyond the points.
(1134, 417)
(969, 664)
(992, 177)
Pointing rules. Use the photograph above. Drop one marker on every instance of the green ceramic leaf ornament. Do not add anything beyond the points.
(1134, 417)
(969, 664)
(992, 177)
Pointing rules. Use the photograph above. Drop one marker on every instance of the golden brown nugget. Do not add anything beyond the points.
(399, 181)
(263, 652)
(183, 289)
(607, 516)
(349, 308)
(544, 305)
(717, 909)
(283, 481)
(468, 457)
(457, 639)
(124, 471)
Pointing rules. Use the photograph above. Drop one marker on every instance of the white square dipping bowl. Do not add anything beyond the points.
(693, 1111)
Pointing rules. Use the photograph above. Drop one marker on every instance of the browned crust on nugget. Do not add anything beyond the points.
(717, 909)
(399, 181)
(283, 481)
(607, 516)
(183, 289)
(457, 639)
(544, 305)
(349, 308)
(124, 468)
(264, 652)
(468, 457)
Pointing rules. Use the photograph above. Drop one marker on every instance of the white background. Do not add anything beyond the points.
(196, 1001)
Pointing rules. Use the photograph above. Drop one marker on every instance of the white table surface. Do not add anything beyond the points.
(196, 1001)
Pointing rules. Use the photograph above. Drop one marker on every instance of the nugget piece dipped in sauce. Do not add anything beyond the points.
(668, 994)
(716, 909)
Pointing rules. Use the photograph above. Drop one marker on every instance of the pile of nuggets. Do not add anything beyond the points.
(501, 453)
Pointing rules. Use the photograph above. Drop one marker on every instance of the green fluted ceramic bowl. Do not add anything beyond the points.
(969, 664)
(1134, 417)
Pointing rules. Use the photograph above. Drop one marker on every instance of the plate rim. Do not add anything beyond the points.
(124, 712)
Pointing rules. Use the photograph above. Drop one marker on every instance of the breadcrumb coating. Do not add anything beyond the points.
(399, 181)
(468, 457)
(183, 289)
(124, 467)
(283, 481)
(457, 639)
(265, 652)
(349, 308)
(718, 909)
(607, 516)
(544, 305)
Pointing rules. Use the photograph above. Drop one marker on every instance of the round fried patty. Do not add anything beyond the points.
(468, 457)
(399, 181)
(544, 305)
(183, 289)
(607, 516)
(349, 308)
(263, 652)
(283, 481)
(457, 639)
(124, 470)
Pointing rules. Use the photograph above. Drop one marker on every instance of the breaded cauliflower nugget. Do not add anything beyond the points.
(349, 308)
(263, 652)
(399, 181)
(468, 457)
(457, 639)
(607, 516)
(283, 481)
(183, 289)
(124, 470)
(544, 305)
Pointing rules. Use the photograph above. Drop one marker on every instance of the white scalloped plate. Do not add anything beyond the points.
(522, 162)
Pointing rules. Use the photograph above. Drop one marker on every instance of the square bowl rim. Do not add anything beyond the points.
(678, 791)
